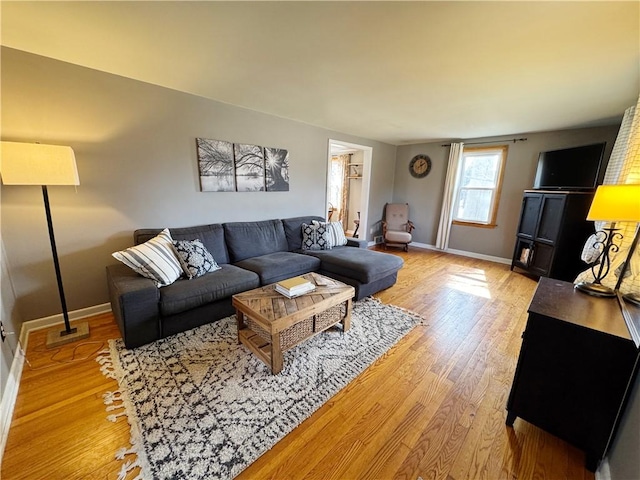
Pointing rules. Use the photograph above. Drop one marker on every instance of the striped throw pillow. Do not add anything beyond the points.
(155, 259)
(335, 233)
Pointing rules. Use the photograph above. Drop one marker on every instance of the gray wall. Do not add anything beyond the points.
(623, 456)
(136, 156)
(10, 319)
(425, 195)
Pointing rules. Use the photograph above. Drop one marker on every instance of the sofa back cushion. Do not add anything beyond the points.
(211, 236)
(293, 230)
(252, 239)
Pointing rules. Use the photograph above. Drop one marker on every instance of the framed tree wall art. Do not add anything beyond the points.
(239, 167)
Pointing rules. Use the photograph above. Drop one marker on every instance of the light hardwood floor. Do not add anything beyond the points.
(433, 406)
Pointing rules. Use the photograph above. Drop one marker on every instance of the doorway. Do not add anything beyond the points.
(349, 167)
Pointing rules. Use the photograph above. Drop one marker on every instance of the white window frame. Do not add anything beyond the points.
(502, 150)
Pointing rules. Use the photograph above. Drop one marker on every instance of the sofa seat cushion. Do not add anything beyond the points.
(185, 294)
(397, 237)
(277, 266)
(360, 264)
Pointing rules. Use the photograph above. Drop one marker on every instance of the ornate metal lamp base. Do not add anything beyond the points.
(603, 263)
(595, 289)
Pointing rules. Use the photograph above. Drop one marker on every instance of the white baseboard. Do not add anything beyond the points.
(9, 397)
(46, 322)
(480, 256)
(603, 472)
(425, 246)
(462, 253)
(10, 393)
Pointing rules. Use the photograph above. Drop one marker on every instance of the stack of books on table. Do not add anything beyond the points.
(294, 287)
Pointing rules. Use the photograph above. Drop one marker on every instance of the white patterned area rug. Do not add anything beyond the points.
(201, 406)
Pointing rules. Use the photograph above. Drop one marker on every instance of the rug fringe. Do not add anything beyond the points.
(106, 364)
(117, 401)
(110, 397)
(128, 467)
(123, 452)
(114, 417)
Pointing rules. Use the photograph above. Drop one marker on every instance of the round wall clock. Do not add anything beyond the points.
(420, 166)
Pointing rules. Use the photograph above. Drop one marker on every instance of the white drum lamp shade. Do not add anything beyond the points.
(45, 165)
(37, 164)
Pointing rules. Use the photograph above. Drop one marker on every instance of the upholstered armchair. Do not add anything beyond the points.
(396, 226)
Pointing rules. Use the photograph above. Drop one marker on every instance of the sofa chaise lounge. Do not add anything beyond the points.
(250, 254)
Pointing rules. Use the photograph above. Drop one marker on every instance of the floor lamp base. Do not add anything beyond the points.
(595, 289)
(56, 337)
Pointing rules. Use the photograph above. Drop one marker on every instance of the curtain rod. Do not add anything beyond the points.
(514, 140)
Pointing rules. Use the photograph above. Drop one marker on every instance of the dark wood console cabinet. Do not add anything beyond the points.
(551, 233)
(576, 367)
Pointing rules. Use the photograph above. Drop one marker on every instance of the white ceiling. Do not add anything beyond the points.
(391, 71)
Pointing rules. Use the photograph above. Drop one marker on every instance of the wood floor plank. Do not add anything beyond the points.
(352, 441)
(414, 404)
(434, 405)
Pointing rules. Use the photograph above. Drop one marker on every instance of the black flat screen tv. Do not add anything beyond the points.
(577, 168)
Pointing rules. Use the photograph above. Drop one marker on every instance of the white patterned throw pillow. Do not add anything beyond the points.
(335, 233)
(155, 259)
(195, 258)
(315, 237)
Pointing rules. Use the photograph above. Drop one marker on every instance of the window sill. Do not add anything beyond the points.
(473, 224)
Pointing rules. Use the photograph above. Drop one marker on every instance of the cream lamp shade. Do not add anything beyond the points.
(37, 164)
(616, 203)
(44, 165)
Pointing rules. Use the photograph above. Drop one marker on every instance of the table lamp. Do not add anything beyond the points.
(36, 164)
(611, 203)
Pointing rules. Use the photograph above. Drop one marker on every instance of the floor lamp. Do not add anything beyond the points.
(36, 164)
(611, 203)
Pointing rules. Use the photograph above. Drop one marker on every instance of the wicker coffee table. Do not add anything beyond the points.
(270, 323)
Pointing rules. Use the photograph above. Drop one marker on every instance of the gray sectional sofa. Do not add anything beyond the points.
(250, 254)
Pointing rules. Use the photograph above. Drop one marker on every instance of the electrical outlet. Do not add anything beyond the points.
(3, 335)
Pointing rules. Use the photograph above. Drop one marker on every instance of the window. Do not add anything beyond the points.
(478, 186)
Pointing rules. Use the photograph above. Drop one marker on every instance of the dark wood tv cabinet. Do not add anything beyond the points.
(552, 231)
(576, 367)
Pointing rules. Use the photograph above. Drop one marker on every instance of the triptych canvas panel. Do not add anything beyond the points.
(239, 167)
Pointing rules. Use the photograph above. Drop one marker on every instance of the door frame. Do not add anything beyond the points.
(367, 155)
